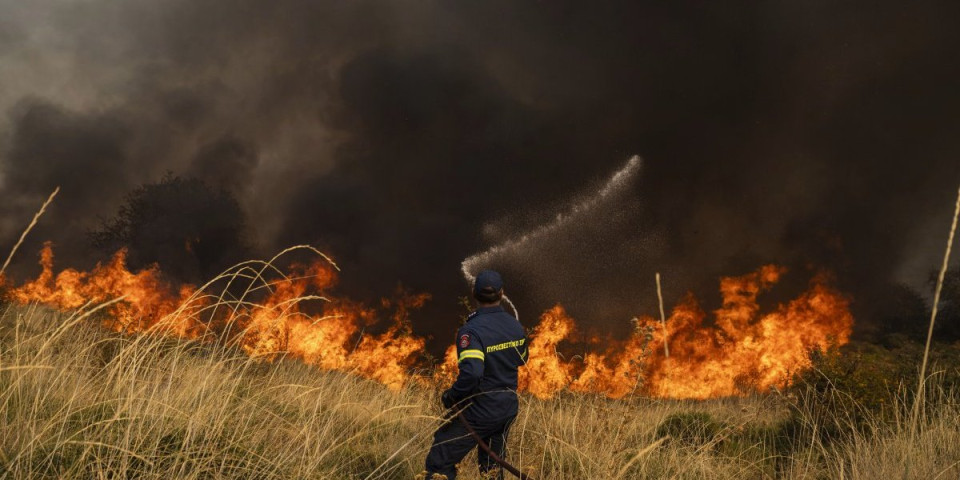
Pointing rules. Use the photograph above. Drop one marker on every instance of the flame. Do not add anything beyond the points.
(545, 373)
(740, 351)
(145, 295)
(745, 350)
(269, 328)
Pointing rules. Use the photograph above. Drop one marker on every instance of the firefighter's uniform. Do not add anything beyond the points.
(490, 348)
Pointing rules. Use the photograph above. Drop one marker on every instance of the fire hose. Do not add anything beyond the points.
(486, 448)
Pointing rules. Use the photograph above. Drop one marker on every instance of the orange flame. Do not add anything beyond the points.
(545, 373)
(146, 297)
(269, 328)
(747, 351)
(741, 351)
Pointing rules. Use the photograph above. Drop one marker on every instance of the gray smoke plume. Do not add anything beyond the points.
(402, 136)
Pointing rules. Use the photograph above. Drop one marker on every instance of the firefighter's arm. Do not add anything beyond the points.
(470, 358)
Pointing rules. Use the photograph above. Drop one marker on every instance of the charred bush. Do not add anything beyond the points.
(901, 310)
(947, 327)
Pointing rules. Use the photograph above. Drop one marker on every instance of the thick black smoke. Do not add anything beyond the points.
(405, 136)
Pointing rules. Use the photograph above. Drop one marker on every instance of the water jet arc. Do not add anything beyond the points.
(615, 184)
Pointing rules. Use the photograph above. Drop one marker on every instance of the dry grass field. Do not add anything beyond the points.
(80, 402)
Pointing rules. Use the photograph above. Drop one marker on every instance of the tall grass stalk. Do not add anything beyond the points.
(919, 402)
(663, 319)
(23, 235)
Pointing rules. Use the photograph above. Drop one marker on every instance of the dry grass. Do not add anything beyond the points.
(79, 402)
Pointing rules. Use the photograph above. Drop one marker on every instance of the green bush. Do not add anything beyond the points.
(861, 386)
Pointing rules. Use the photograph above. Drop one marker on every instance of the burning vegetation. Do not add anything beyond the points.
(269, 313)
(743, 350)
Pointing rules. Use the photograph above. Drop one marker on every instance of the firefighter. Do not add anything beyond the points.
(491, 345)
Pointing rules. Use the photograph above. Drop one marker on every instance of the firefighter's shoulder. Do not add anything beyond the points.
(468, 333)
(465, 329)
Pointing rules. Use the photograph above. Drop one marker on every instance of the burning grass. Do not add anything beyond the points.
(291, 313)
(80, 401)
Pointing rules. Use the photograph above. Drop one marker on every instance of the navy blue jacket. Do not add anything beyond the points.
(490, 348)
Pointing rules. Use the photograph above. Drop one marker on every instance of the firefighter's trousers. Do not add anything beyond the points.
(452, 442)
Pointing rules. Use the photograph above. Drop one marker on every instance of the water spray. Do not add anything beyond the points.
(617, 183)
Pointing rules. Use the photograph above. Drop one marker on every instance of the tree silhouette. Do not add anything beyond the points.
(902, 310)
(948, 318)
(190, 229)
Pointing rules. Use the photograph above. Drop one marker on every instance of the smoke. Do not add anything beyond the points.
(402, 136)
(227, 163)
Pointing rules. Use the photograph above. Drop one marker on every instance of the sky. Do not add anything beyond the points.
(403, 137)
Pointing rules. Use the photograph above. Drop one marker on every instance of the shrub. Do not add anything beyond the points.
(695, 429)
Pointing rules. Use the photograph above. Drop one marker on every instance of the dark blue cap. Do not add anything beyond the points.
(487, 279)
